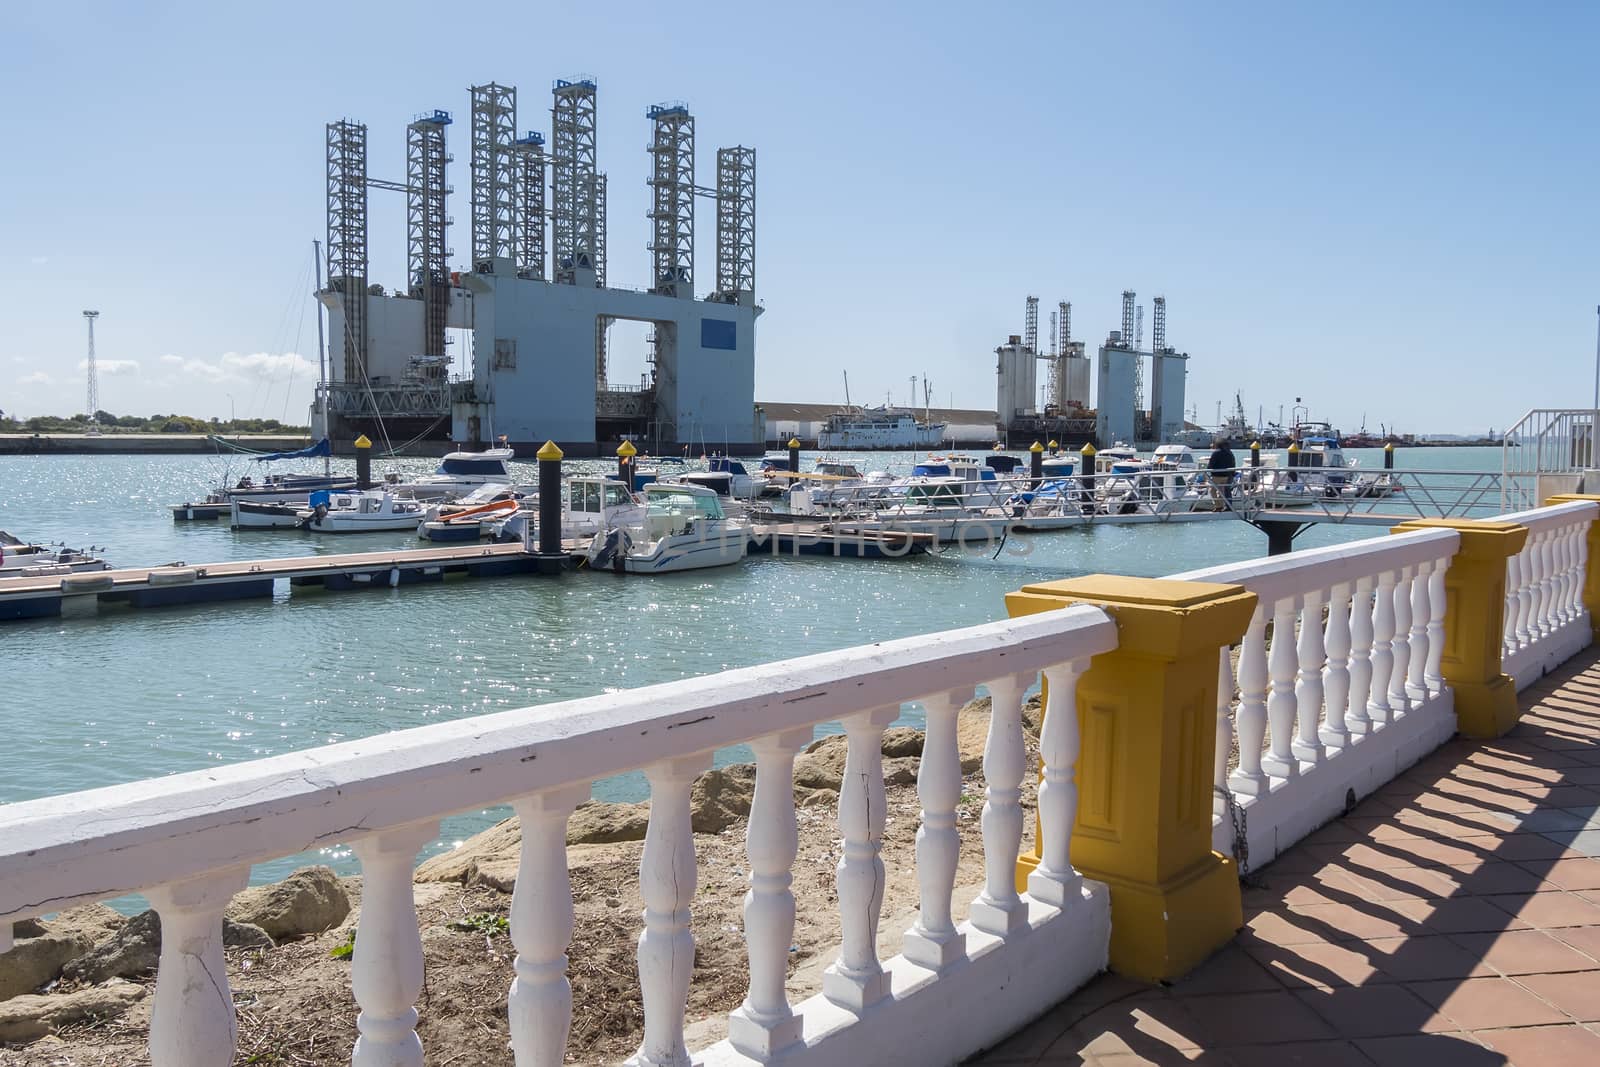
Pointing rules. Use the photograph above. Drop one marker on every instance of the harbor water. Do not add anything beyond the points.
(97, 701)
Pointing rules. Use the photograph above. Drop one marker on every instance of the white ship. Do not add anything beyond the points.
(859, 429)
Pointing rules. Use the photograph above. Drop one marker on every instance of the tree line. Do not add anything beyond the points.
(109, 423)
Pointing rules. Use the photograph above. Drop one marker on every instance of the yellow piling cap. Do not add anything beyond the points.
(794, 442)
(1294, 447)
(625, 450)
(1036, 447)
(1088, 448)
(1255, 446)
(362, 442)
(1389, 447)
(550, 451)
(1053, 445)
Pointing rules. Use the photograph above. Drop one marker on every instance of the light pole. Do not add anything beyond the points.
(231, 419)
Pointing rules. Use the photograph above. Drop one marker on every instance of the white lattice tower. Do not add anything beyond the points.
(1158, 325)
(672, 200)
(427, 255)
(531, 204)
(1065, 309)
(93, 376)
(574, 181)
(1138, 361)
(347, 235)
(1127, 316)
(1030, 326)
(736, 224)
(494, 171)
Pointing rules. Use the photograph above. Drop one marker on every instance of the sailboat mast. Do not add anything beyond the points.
(847, 389)
(322, 354)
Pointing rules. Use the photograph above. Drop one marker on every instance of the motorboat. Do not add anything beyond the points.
(290, 488)
(23, 559)
(458, 473)
(373, 511)
(480, 513)
(684, 528)
(262, 515)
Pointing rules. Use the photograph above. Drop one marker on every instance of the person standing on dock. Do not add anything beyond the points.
(1221, 469)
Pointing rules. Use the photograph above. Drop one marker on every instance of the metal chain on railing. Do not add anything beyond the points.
(1239, 819)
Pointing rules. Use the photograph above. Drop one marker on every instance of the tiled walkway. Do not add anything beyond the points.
(1452, 919)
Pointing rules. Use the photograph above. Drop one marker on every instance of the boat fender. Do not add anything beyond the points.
(394, 577)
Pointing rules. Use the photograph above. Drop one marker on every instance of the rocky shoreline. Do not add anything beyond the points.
(75, 989)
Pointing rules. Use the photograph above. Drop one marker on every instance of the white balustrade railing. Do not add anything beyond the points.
(1545, 620)
(187, 842)
(1342, 695)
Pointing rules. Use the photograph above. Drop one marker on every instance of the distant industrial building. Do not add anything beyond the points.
(964, 427)
(536, 320)
(1062, 410)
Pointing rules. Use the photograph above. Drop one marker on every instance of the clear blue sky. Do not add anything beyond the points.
(1387, 209)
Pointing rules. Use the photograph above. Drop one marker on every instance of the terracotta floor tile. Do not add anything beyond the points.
(1397, 883)
(1298, 1054)
(1549, 909)
(1318, 964)
(1545, 1046)
(1407, 959)
(1429, 1050)
(1465, 915)
(1576, 994)
(1369, 1011)
(1584, 775)
(1285, 928)
(1516, 848)
(1586, 939)
(1356, 922)
(1149, 1026)
(1569, 873)
(1156, 1058)
(1497, 877)
(1523, 952)
(1253, 1019)
(1487, 1003)
(1229, 971)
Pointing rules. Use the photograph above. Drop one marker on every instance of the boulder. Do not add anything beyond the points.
(32, 1017)
(820, 764)
(33, 961)
(27, 928)
(902, 770)
(721, 797)
(309, 901)
(135, 949)
(93, 921)
(598, 822)
(902, 741)
(972, 734)
(1033, 715)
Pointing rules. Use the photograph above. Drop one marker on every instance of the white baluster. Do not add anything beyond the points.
(1336, 676)
(998, 910)
(386, 969)
(1510, 642)
(191, 1019)
(1283, 667)
(1248, 778)
(667, 878)
(1357, 720)
(857, 980)
(1433, 675)
(1416, 672)
(1558, 576)
(1545, 595)
(1570, 577)
(539, 1005)
(1378, 709)
(1580, 572)
(1219, 766)
(765, 1024)
(933, 941)
(1055, 881)
(1527, 569)
(1399, 698)
(1312, 657)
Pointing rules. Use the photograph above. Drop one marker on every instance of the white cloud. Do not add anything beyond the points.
(38, 377)
(244, 367)
(111, 368)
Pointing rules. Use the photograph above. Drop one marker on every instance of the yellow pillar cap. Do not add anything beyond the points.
(1088, 449)
(1036, 447)
(794, 442)
(625, 449)
(1389, 447)
(1294, 447)
(1255, 446)
(362, 442)
(550, 451)
(1054, 445)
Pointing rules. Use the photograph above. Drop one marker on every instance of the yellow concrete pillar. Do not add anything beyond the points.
(1591, 578)
(1147, 721)
(1474, 622)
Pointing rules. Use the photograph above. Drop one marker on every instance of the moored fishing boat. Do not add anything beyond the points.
(373, 511)
(684, 528)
